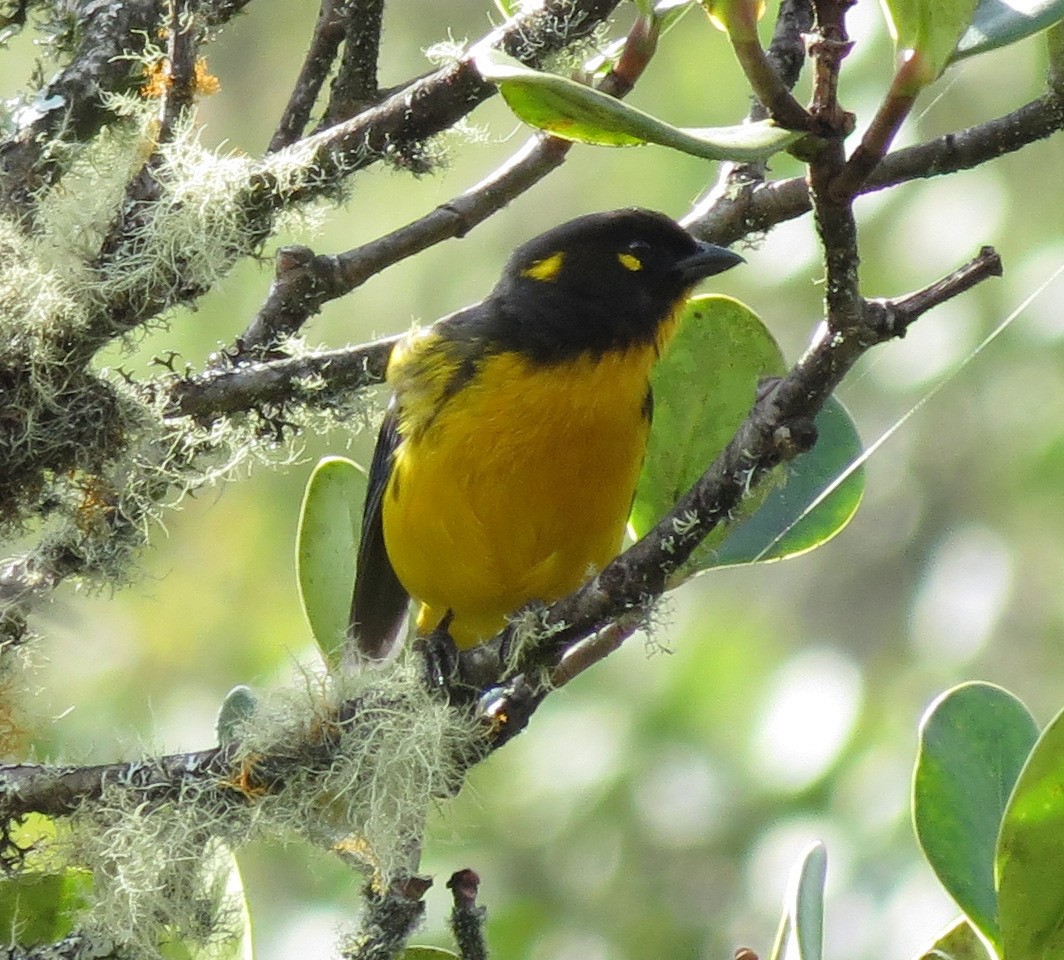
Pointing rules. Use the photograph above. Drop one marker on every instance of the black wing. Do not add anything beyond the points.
(379, 605)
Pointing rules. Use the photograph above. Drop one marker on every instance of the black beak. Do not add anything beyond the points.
(706, 261)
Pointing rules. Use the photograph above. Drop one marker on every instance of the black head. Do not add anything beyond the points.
(599, 282)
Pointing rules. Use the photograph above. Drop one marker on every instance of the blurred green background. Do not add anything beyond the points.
(655, 806)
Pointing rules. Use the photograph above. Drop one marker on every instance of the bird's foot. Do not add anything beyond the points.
(440, 657)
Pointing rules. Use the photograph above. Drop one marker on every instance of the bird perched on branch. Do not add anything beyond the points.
(507, 461)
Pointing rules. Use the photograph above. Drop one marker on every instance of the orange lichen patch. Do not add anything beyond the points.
(206, 83)
(357, 846)
(245, 780)
(99, 501)
(158, 79)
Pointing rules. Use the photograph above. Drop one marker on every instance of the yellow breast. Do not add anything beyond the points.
(516, 487)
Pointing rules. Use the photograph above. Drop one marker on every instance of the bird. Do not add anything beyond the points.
(507, 459)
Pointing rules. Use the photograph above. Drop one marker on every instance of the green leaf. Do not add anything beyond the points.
(806, 904)
(428, 953)
(326, 548)
(236, 709)
(737, 18)
(573, 111)
(37, 908)
(41, 904)
(974, 740)
(929, 28)
(807, 509)
(1030, 854)
(802, 923)
(997, 23)
(959, 941)
(703, 388)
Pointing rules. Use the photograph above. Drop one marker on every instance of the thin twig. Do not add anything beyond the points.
(786, 56)
(355, 85)
(755, 208)
(324, 44)
(899, 313)
(771, 90)
(304, 281)
(835, 222)
(786, 51)
(467, 917)
(312, 377)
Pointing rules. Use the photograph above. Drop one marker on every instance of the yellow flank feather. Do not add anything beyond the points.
(522, 480)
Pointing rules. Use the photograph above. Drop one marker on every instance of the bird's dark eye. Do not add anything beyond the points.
(634, 255)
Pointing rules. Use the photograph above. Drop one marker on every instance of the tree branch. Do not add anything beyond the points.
(757, 207)
(389, 920)
(310, 378)
(355, 85)
(305, 281)
(72, 108)
(426, 108)
(467, 918)
(324, 45)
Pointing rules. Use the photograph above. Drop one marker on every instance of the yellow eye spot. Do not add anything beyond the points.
(630, 262)
(546, 269)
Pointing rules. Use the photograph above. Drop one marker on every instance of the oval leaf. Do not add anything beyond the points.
(801, 928)
(998, 23)
(237, 708)
(573, 111)
(428, 953)
(703, 388)
(959, 941)
(819, 495)
(325, 550)
(1030, 854)
(806, 902)
(974, 740)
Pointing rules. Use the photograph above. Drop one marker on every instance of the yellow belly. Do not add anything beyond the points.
(519, 489)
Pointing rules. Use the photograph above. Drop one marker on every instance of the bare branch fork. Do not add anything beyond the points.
(305, 281)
